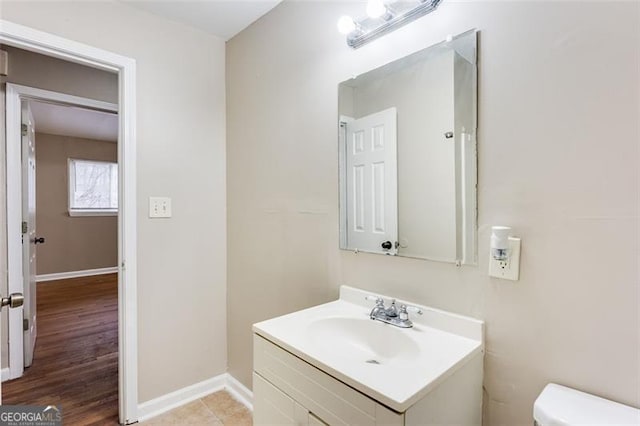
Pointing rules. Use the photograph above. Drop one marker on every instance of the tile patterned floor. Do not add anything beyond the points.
(217, 409)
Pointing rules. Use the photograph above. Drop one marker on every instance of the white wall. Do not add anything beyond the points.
(181, 154)
(558, 160)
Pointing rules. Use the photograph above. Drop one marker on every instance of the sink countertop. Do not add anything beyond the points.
(395, 366)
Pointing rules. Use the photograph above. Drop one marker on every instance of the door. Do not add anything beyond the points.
(14, 301)
(372, 182)
(29, 237)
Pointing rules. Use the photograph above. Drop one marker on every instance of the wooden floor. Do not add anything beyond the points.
(76, 357)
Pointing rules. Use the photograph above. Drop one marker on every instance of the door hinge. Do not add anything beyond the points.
(25, 227)
(25, 324)
(24, 129)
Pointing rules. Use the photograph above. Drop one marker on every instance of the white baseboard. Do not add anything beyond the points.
(167, 402)
(5, 374)
(239, 391)
(183, 396)
(76, 274)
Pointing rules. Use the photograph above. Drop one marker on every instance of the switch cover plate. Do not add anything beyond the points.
(507, 269)
(159, 207)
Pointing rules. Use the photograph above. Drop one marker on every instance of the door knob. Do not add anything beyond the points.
(387, 245)
(38, 240)
(14, 300)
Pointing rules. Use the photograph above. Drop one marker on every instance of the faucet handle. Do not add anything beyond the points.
(410, 308)
(403, 314)
(379, 300)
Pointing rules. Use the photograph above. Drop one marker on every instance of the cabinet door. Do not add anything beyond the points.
(272, 407)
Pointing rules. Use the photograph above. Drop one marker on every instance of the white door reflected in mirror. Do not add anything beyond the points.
(371, 181)
(411, 191)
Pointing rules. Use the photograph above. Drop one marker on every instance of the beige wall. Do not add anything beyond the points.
(181, 154)
(558, 161)
(72, 243)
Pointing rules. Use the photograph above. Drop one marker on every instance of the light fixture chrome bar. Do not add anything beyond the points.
(370, 29)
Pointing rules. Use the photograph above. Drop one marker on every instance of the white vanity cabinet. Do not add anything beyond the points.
(289, 391)
(332, 365)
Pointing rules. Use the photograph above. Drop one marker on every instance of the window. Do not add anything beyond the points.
(93, 188)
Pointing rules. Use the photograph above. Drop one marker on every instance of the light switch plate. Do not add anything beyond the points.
(507, 269)
(159, 207)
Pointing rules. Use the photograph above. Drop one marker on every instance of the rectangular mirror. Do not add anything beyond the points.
(407, 143)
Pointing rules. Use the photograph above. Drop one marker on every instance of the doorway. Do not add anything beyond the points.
(70, 318)
(50, 45)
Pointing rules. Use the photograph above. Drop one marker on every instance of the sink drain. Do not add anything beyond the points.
(372, 361)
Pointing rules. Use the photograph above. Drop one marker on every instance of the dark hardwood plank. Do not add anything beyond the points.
(76, 357)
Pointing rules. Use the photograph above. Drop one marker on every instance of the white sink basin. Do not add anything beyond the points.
(363, 340)
(396, 366)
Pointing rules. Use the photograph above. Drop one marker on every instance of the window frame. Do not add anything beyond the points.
(71, 183)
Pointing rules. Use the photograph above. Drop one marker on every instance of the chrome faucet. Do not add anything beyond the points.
(392, 315)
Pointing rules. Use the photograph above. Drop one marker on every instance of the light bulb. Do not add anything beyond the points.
(375, 8)
(346, 25)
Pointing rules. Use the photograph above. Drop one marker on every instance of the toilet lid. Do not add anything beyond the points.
(561, 406)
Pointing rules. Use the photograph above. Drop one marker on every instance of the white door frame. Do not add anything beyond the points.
(51, 45)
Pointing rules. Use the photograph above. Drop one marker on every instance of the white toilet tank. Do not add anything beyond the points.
(561, 406)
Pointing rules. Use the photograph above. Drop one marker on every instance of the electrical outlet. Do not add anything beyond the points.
(507, 269)
(159, 207)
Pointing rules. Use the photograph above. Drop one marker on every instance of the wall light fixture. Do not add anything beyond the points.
(383, 16)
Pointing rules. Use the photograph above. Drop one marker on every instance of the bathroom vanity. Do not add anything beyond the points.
(332, 364)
